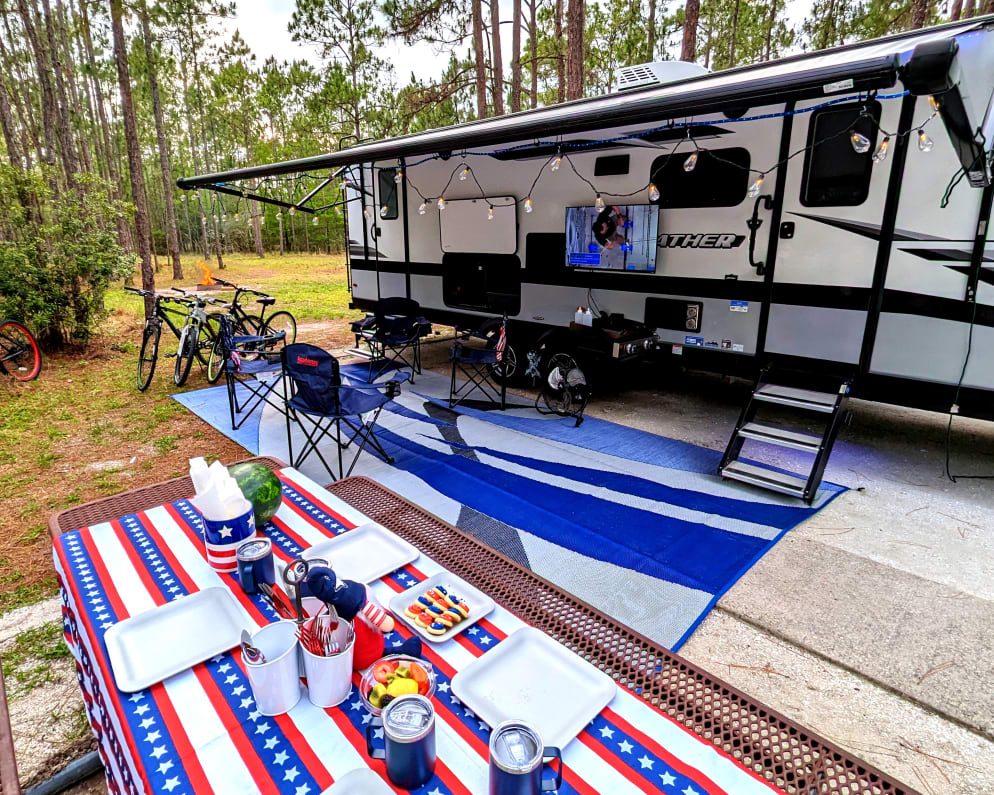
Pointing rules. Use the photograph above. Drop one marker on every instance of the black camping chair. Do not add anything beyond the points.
(244, 359)
(483, 369)
(326, 404)
(392, 334)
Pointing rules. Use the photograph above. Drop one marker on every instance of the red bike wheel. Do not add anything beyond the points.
(19, 352)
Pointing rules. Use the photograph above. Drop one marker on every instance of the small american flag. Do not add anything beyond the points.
(502, 341)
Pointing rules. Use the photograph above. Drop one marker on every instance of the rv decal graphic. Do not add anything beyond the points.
(700, 241)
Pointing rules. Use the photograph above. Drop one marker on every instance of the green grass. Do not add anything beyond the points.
(28, 662)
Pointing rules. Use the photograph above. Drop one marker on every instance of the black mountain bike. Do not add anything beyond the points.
(148, 355)
(261, 325)
(20, 356)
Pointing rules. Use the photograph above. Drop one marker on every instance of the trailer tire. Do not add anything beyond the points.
(511, 367)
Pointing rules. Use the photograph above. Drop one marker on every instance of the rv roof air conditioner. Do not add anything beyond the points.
(646, 75)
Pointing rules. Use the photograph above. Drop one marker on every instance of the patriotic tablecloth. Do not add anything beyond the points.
(199, 732)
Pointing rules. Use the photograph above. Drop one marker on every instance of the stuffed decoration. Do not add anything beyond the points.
(356, 603)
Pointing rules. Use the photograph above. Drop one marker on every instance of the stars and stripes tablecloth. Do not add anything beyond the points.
(198, 731)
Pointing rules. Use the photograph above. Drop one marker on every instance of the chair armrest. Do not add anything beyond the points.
(365, 323)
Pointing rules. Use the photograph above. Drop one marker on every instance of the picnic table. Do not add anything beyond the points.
(670, 727)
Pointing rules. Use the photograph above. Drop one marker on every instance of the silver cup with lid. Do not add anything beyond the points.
(517, 761)
(408, 724)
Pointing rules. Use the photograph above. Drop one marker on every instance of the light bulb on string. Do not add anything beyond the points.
(528, 205)
(756, 186)
(383, 211)
(599, 203)
(934, 103)
(653, 192)
(315, 221)
(398, 176)
(203, 219)
(279, 214)
(237, 216)
(182, 197)
(293, 210)
(441, 203)
(365, 211)
(860, 143)
(881, 154)
(925, 143)
(556, 163)
(691, 162)
(422, 208)
(464, 174)
(490, 212)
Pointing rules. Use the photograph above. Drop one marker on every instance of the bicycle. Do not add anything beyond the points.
(250, 324)
(197, 338)
(148, 355)
(20, 355)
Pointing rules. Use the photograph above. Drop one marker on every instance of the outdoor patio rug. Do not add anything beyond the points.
(634, 523)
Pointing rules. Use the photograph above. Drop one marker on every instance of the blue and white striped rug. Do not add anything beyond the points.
(634, 523)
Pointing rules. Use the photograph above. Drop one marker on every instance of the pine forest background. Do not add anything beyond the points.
(103, 103)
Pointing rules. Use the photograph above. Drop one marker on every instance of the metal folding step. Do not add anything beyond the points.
(765, 478)
(831, 405)
(798, 398)
(782, 437)
(362, 353)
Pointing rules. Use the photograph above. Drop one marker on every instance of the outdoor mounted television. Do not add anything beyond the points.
(621, 237)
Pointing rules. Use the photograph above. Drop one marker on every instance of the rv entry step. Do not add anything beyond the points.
(829, 403)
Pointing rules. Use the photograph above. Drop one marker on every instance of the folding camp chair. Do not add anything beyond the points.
(483, 369)
(245, 358)
(322, 404)
(392, 335)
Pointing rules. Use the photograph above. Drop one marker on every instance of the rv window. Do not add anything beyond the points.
(387, 194)
(720, 178)
(835, 174)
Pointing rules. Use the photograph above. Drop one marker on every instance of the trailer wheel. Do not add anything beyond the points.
(510, 367)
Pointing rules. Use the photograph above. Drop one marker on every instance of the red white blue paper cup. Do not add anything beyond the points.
(223, 537)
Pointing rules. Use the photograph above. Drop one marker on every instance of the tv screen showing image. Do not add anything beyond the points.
(621, 237)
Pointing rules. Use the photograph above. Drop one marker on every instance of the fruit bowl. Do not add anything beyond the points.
(383, 672)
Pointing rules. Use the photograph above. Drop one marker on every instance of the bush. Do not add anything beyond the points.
(58, 255)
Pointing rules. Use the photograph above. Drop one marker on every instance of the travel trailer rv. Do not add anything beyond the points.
(824, 214)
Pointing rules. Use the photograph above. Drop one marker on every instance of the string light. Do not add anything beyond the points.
(398, 176)
(315, 221)
(556, 163)
(881, 154)
(490, 212)
(653, 192)
(365, 211)
(293, 210)
(464, 174)
(756, 186)
(859, 142)
(598, 203)
(237, 216)
(182, 197)
(934, 103)
(203, 219)
(529, 206)
(925, 143)
(422, 208)
(279, 214)
(383, 211)
(691, 162)
(441, 203)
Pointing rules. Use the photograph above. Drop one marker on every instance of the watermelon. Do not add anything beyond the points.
(261, 487)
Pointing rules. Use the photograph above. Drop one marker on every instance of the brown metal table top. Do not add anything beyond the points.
(774, 747)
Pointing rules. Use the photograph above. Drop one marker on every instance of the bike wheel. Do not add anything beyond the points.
(215, 362)
(249, 326)
(205, 341)
(186, 353)
(282, 321)
(148, 355)
(19, 352)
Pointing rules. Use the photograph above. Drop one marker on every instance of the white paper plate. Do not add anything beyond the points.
(531, 677)
(170, 638)
(479, 604)
(361, 781)
(365, 553)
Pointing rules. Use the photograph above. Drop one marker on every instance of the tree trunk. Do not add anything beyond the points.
(969, 8)
(10, 136)
(651, 33)
(560, 59)
(734, 32)
(172, 236)
(71, 82)
(134, 154)
(956, 11)
(203, 137)
(279, 218)
(481, 67)
(919, 13)
(988, 7)
(496, 58)
(256, 228)
(62, 116)
(770, 22)
(44, 83)
(516, 57)
(574, 52)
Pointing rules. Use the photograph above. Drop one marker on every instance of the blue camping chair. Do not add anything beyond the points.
(244, 359)
(483, 368)
(392, 335)
(322, 404)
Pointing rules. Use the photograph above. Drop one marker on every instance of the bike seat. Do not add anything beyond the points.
(267, 301)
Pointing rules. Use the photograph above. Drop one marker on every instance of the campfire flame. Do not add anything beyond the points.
(208, 278)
